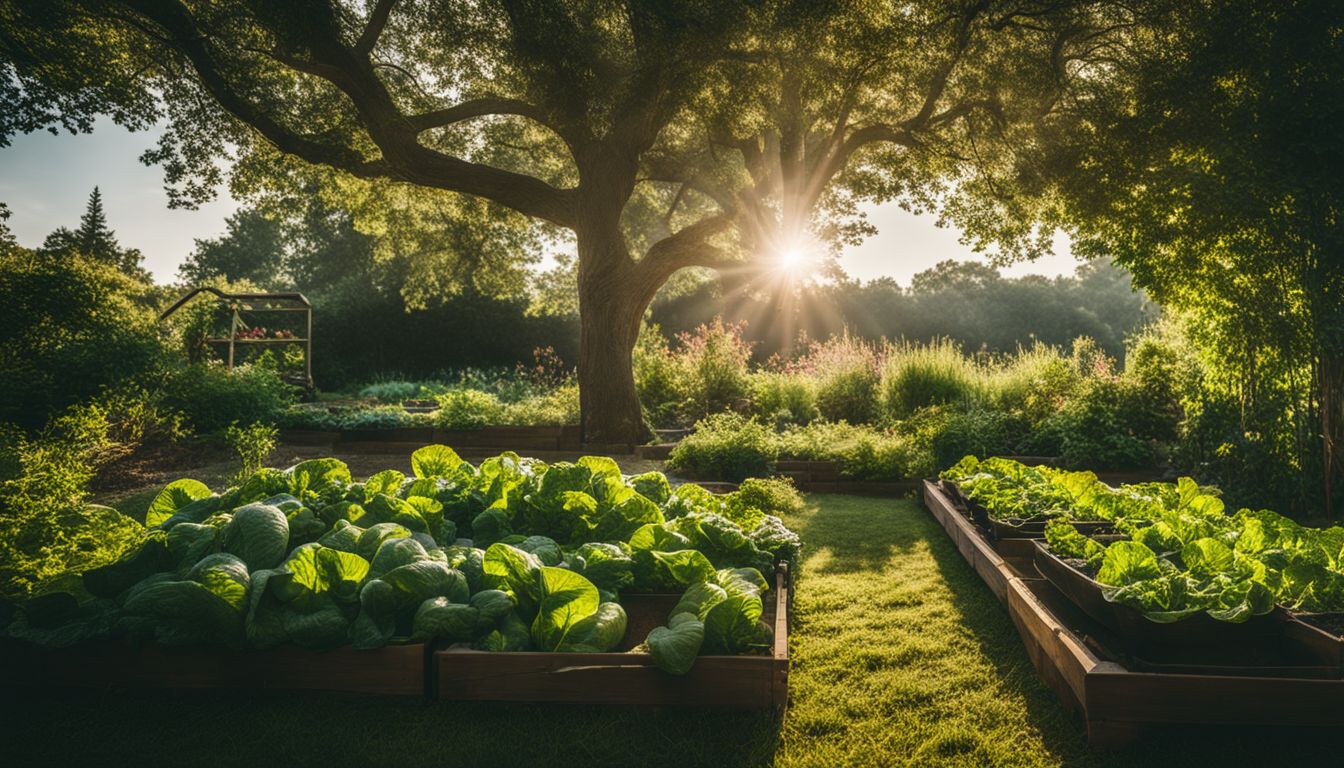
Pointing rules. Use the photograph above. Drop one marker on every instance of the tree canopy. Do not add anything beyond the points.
(1205, 158)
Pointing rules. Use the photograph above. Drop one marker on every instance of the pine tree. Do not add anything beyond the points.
(94, 238)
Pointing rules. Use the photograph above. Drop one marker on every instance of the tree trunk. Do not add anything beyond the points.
(610, 309)
(1330, 399)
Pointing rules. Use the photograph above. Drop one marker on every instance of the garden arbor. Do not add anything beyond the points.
(284, 304)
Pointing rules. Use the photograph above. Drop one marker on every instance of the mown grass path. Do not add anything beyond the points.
(901, 656)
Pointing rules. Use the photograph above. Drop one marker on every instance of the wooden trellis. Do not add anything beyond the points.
(254, 303)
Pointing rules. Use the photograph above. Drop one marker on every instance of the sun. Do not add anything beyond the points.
(792, 259)
(797, 259)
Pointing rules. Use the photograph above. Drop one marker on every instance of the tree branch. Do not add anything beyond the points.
(687, 247)
(943, 74)
(377, 21)
(403, 158)
(183, 35)
(482, 107)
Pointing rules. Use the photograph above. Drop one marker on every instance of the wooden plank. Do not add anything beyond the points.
(388, 671)
(1120, 696)
(978, 552)
(309, 436)
(731, 682)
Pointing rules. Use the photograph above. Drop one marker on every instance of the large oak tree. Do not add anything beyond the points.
(664, 134)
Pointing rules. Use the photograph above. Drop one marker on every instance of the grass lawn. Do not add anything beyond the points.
(901, 656)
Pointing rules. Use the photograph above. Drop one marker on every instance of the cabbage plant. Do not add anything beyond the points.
(513, 554)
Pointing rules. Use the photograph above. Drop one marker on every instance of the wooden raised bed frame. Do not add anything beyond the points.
(394, 670)
(755, 682)
(1117, 703)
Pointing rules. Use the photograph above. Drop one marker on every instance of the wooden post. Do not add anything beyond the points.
(308, 347)
(233, 334)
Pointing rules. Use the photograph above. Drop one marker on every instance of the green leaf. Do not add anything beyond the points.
(491, 525)
(1126, 562)
(388, 481)
(567, 599)
(172, 498)
(674, 648)
(652, 486)
(685, 567)
(258, 534)
(443, 619)
(606, 565)
(371, 540)
(1207, 557)
(546, 550)
(698, 599)
(514, 571)
(513, 635)
(730, 625)
(435, 461)
(316, 477)
(599, 633)
(493, 605)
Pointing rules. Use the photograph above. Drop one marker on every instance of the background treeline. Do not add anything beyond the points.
(373, 320)
(968, 302)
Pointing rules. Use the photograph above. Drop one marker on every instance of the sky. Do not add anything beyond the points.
(46, 181)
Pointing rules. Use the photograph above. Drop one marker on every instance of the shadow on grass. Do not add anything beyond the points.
(1063, 732)
(197, 728)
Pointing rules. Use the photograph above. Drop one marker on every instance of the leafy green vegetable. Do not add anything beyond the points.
(435, 461)
(567, 599)
(675, 647)
(308, 557)
(172, 498)
(258, 534)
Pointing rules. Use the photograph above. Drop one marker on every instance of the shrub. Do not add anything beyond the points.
(783, 399)
(213, 397)
(136, 415)
(1034, 383)
(862, 452)
(919, 375)
(975, 432)
(391, 391)
(69, 328)
(252, 444)
(558, 407)
(468, 409)
(713, 361)
(1162, 373)
(661, 388)
(777, 494)
(1091, 430)
(847, 380)
(46, 528)
(726, 446)
(361, 417)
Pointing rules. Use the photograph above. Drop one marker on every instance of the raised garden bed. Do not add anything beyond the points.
(754, 682)
(393, 670)
(1119, 693)
(1198, 631)
(1027, 529)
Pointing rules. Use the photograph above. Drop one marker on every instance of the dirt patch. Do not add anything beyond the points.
(160, 464)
